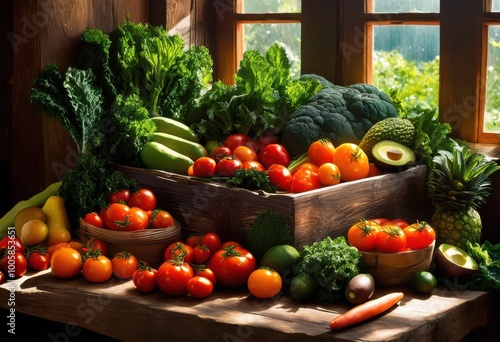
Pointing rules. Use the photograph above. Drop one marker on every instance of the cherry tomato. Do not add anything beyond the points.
(95, 244)
(352, 162)
(94, 219)
(280, 176)
(145, 278)
(235, 140)
(97, 268)
(115, 216)
(390, 239)
(194, 239)
(53, 248)
(9, 242)
(204, 167)
(264, 283)
(221, 152)
(245, 153)
(321, 151)
(419, 235)
(228, 166)
(201, 254)
(199, 287)
(120, 196)
(14, 264)
(363, 235)
(66, 262)
(38, 260)
(252, 164)
(207, 273)
(232, 266)
(329, 174)
(305, 180)
(143, 198)
(212, 241)
(179, 251)
(274, 154)
(124, 265)
(161, 219)
(173, 277)
(401, 223)
(138, 218)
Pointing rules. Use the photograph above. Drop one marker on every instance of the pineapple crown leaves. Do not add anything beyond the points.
(460, 178)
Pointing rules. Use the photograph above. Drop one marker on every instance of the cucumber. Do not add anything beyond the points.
(158, 156)
(191, 149)
(174, 127)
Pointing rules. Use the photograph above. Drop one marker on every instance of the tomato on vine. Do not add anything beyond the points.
(145, 278)
(352, 161)
(124, 265)
(97, 268)
(212, 241)
(201, 254)
(363, 235)
(38, 260)
(390, 239)
(321, 151)
(419, 235)
(173, 277)
(161, 219)
(232, 266)
(329, 174)
(179, 251)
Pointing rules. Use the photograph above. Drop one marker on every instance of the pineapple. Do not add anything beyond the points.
(458, 185)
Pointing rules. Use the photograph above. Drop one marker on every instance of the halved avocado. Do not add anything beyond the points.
(453, 262)
(389, 154)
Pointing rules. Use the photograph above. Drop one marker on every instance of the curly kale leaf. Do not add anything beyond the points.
(252, 180)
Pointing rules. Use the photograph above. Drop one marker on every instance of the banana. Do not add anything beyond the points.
(174, 127)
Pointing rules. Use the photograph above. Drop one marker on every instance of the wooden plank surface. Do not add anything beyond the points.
(117, 310)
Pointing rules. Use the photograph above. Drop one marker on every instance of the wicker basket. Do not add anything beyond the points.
(390, 269)
(148, 245)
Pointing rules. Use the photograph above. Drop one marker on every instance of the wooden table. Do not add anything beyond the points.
(117, 310)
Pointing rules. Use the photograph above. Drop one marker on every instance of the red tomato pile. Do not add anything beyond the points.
(390, 236)
(326, 165)
(128, 211)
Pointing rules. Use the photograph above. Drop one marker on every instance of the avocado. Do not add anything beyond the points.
(360, 288)
(388, 154)
(454, 262)
(396, 129)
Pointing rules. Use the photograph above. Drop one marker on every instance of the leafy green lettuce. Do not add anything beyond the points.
(487, 256)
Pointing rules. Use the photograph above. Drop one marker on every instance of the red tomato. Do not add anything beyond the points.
(274, 154)
(124, 265)
(419, 235)
(145, 278)
(179, 251)
(207, 273)
(194, 239)
(304, 180)
(66, 262)
(230, 243)
(120, 196)
(235, 140)
(390, 239)
(252, 164)
(14, 264)
(267, 137)
(143, 198)
(94, 219)
(363, 235)
(313, 167)
(321, 151)
(228, 166)
(115, 216)
(379, 220)
(212, 241)
(245, 153)
(95, 244)
(201, 254)
(138, 218)
(161, 219)
(352, 161)
(38, 260)
(173, 277)
(401, 223)
(10, 241)
(97, 268)
(2, 277)
(204, 167)
(232, 266)
(199, 287)
(280, 177)
(221, 152)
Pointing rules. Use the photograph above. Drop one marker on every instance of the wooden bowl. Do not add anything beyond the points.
(390, 269)
(147, 245)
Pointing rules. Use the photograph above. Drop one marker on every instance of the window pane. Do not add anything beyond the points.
(271, 6)
(492, 107)
(398, 6)
(260, 37)
(406, 58)
(495, 5)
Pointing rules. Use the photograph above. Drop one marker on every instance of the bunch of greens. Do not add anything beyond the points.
(252, 179)
(487, 256)
(262, 98)
(332, 263)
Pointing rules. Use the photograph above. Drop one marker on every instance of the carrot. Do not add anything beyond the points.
(366, 310)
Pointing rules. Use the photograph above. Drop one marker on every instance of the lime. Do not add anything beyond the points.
(303, 287)
(280, 258)
(423, 282)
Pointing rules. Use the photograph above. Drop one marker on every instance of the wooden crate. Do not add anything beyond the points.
(207, 206)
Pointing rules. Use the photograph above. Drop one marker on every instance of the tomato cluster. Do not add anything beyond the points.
(390, 236)
(131, 210)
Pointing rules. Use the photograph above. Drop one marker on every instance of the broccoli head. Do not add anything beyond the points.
(341, 114)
